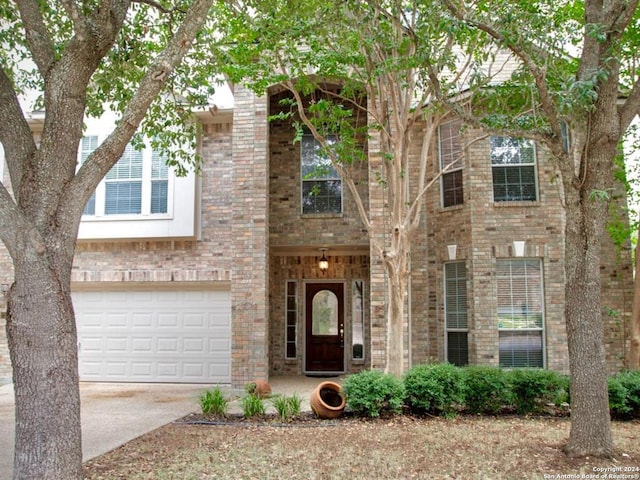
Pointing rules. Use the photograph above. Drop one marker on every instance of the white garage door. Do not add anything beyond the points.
(154, 336)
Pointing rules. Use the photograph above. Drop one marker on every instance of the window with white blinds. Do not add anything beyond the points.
(138, 184)
(159, 183)
(520, 312)
(455, 292)
(450, 143)
(124, 184)
(88, 145)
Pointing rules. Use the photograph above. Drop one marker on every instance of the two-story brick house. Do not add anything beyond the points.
(216, 278)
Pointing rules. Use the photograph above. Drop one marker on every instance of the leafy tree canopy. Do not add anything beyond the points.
(145, 33)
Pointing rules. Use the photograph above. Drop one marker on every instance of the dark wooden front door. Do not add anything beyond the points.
(324, 316)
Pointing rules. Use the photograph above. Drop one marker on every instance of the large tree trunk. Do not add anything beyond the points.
(397, 269)
(633, 355)
(42, 339)
(586, 216)
(395, 325)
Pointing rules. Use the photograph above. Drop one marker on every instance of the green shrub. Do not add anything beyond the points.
(533, 388)
(631, 381)
(434, 388)
(213, 402)
(287, 407)
(370, 393)
(618, 394)
(487, 389)
(624, 394)
(252, 406)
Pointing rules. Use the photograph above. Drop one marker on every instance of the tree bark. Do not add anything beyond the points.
(39, 224)
(397, 288)
(586, 217)
(42, 341)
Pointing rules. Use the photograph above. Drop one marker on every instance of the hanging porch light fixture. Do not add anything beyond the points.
(323, 264)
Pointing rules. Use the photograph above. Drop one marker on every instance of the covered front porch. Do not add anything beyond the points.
(319, 318)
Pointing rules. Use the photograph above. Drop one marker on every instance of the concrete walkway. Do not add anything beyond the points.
(113, 414)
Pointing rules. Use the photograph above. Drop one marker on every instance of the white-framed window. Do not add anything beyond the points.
(291, 321)
(321, 184)
(450, 149)
(520, 314)
(137, 185)
(87, 145)
(455, 310)
(357, 319)
(105, 216)
(513, 166)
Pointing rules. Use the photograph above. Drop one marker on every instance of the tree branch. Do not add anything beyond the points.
(37, 35)
(108, 153)
(538, 72)
(15, 134)
(159, 7)
(631, 106)
(79, 25)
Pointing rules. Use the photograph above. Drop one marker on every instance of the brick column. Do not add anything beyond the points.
(378, 214)
(250, 228)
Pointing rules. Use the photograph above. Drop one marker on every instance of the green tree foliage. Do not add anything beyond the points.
(78, 58)
(561, 73)
(362, 73)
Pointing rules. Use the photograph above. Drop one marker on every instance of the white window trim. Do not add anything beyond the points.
(448, 330)
(180, 221)
(286, 319)
(452, 170)
(535, 174)
(361, 320)
(101, 216)
(303, 180)
(540, 329)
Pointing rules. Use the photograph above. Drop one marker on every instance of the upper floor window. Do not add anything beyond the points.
(451, 160)
(88, 145)
(321, 183)
(513, 167)
(136, 185)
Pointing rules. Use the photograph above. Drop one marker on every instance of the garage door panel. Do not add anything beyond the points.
(115, 320)
(167, 345)
(141, 320)
(116, 345)
(175, 336)
(143, 345)
(169, 320)
(195, 320)
(115, 369)
(194, 346)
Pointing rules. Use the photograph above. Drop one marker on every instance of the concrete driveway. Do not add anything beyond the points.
(112, 414)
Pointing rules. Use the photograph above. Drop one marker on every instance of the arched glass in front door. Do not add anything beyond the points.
(325, 313)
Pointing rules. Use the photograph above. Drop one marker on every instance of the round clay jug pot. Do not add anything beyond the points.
(259, 388)
(327, 400)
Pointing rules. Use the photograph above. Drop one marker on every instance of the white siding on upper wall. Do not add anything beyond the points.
(179, 222)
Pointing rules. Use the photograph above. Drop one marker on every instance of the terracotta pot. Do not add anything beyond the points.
(327, 400)
(259, 388)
